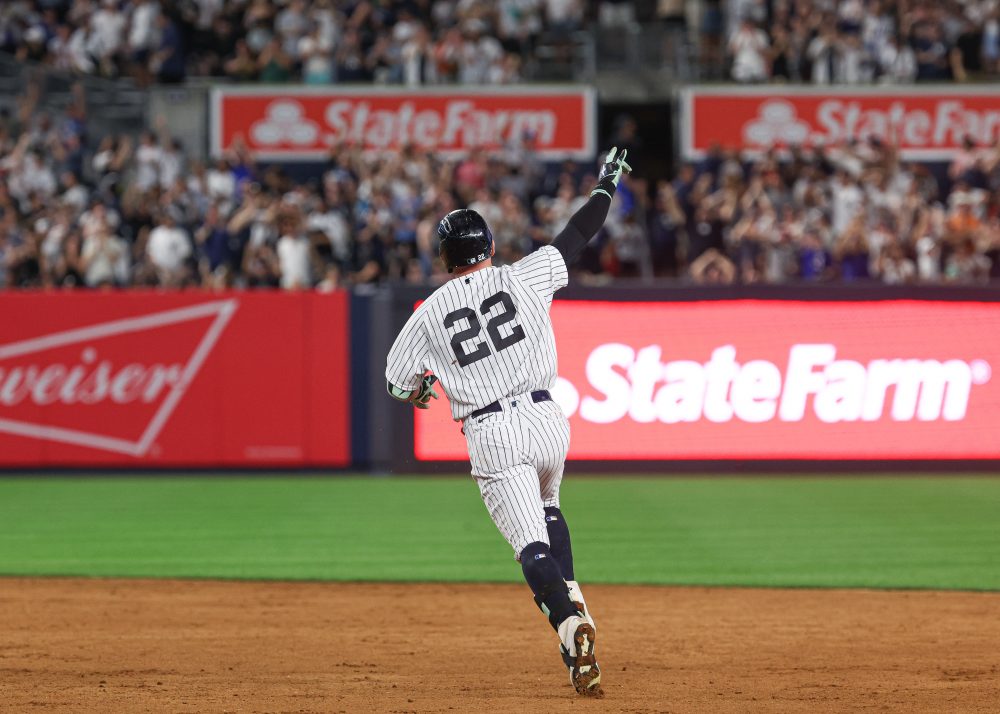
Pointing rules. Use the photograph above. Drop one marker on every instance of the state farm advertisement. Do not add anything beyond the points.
(174, 379)
(304, 123)
(768, 380)
(927, 124)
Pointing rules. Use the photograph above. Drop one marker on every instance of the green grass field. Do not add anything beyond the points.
(921, 532)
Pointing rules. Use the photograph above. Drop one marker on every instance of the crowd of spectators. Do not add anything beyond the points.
(864, 41)
(417, 42)
(313, 41)
(844, 214)
(80, 211)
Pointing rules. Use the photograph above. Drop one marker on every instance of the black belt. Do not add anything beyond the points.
(542, 395)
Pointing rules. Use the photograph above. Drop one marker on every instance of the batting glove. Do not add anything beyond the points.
(421, 400)
(611, 172)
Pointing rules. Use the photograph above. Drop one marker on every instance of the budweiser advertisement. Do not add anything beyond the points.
(304, 123)
(928, 124)
(173, 379)
(768, 380)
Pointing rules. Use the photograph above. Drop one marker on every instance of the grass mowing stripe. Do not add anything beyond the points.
(929, 532)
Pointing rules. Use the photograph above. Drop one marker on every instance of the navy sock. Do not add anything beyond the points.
(546, 580)
(562, 549)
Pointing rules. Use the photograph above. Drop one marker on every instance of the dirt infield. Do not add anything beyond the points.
(199, 646)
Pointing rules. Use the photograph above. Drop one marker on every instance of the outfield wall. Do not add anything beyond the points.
(732, 379)
(174, 379)
(669, 378)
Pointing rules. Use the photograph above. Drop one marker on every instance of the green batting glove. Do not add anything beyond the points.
(611, 172)
(423, 396)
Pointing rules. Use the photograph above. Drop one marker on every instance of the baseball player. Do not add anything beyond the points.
(488, 336)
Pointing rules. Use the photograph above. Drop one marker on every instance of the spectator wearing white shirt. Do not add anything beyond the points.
(104, 258)
(295, 255)
(324, 14)
(107, 27)
(847, 201)
(143, 37)
(823, 53)
(850, 15)
(208, 10)
(291, 24)
(877, 26)
(855, 65)
(98, 214)
(896, 64)
(74, 193)
(749, 46)
(168, 249)
(928, 251)
(69, 50)
(220, 182)
(563, 15)
(33, 175)
(171, 163)
(479, 52)
(142, 28)
(335, 229)
(148, 156)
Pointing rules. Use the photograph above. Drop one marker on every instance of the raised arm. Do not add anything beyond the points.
(588, 220)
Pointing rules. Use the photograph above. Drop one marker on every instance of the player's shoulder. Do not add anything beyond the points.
(545, 259)
(441, 295)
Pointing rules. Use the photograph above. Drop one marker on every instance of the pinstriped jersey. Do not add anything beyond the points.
(486, 335)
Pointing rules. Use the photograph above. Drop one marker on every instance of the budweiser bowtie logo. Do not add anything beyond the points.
(111, 386)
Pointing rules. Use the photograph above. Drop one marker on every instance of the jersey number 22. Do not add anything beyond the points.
(482, 350)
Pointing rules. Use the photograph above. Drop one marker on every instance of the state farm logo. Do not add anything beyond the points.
(639, 386)
(285, 121)
(459, 124)
(110, 386)
(916, 123)
(777, 122)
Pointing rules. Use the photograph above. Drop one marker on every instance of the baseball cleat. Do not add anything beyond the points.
(586, 675)
(578, 655)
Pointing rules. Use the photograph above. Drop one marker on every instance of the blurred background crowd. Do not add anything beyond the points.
(313, 41)
(864, 41)
(126, 211)
(82, 208)
(418, 42)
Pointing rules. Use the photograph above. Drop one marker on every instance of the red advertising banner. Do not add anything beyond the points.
(174, 379)
(303, 123)
(768, 380)
(926, 123)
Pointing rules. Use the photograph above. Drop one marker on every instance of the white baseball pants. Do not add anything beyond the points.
(518, 455)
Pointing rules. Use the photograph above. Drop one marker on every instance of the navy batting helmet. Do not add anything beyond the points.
(465, 239)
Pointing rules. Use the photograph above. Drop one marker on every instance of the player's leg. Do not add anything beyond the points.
(498, 447)
(549, 430)
(514, 503)
(550, 434)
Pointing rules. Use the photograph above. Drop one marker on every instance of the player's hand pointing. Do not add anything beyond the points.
(611, 172)
(421, 400)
